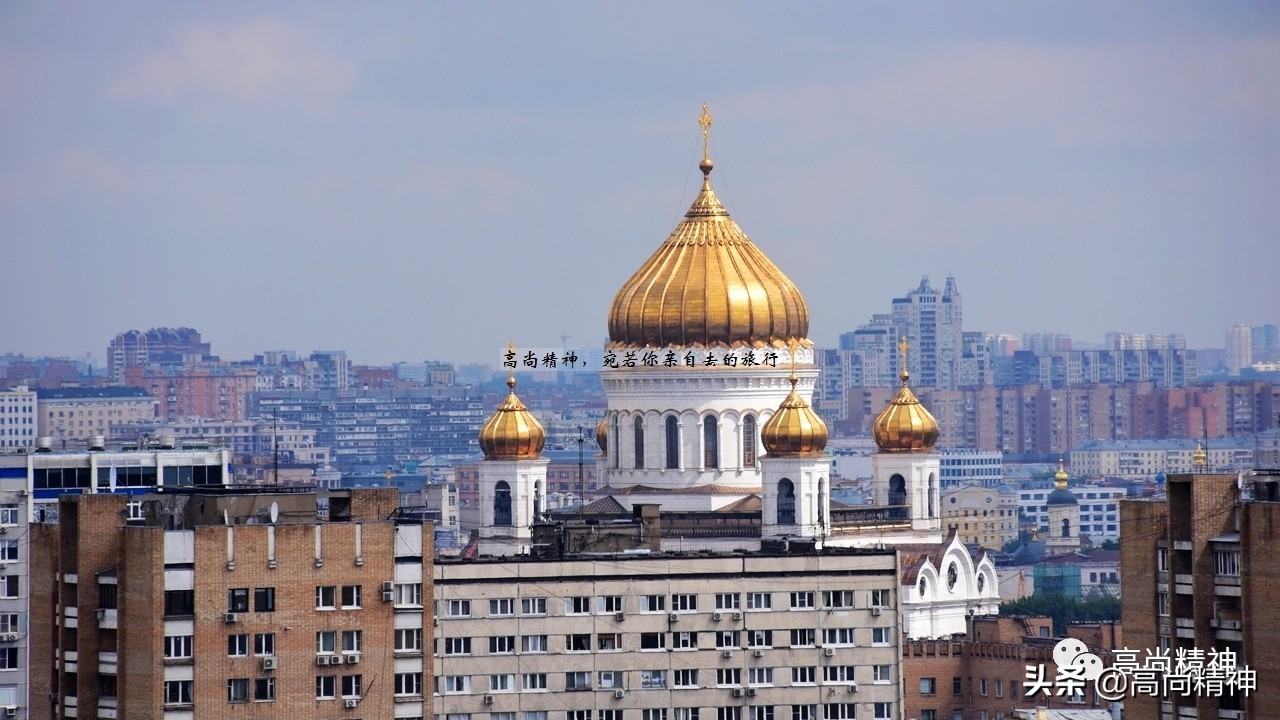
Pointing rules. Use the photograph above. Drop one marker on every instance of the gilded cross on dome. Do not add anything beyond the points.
(705, 121)
(903, 347)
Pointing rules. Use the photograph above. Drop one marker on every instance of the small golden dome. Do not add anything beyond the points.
(602, 434)
(795, 430)
(905, 425)
(708, 285)
(512, 433)
(1200, 458)
(1060, 478)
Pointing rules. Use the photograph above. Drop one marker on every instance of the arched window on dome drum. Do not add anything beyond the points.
(639, 435)
(673, 443)
(502, 504)
(897, 493)
(749, 441)
(710, 442)
(933, 494)
(786, 502)
(1066, 527)
(537, 500)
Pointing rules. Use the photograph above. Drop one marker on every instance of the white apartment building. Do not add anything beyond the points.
(1144, 459)
(17, 418)
(652, 636)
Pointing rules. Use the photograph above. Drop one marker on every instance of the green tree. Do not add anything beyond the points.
(1065, 611)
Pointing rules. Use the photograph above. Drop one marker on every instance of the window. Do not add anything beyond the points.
(728, 639)
(882, 711)
(684, 603)
(759, 601)
(684, 640)
(533, 606)
(264, 599)
(748, 441)
(457, 646)
(881, 636)
(760, 676)
(409, 683)
(609, 679)
(928, 686)
(264, 644)
(1162, 559)
(455, 684)
(8, 514)
(326, 687)
(982, 687)
(326, 641)
(760, 712)
(786, 511)
(177, 647)
(533, 644)
(929, 714)
(177, 692)
(9, 623)
(238, 645)
(801, 601)
(497, 606)
(577, 715)
(653, 678)
(710, 442)
(999, 688)
(577, 681)
(9, 550)
(264, 689)
(1226, 562)
(326, 597)
(238, 600)
(653, 603)
(639, 442)
(686, 678)
(653, 714)
(609, 641)
(352, 684)
(9, 658)
(728, 676)
(607, 714)
(351, 597)
(804, 675)
(883, 674)
(533, 681)
(837, 599)
(502, 644)
(353, 641)
(238, 690)
(730, 712)
(652, 641)
(727, 601)
(455, 608)
(838, 673)
(880, 598)
(497, 683)
(577, 605)
(803, 637)
(957, 686)
(410, 594)
(609, 603)
(535, 715)
(672, 428)
(408, 640)
(837, 636)
(1162, 603)
(759, 638)
(579, 642)
(804, 712)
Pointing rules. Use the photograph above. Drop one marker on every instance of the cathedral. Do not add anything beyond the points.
(710, 418)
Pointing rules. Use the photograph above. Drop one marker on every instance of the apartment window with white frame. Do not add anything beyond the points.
(804, 712)
(653, 603)
(837, 599)
(881, 598)
(653, 678)
(501, 607)
(609, 603)
(882, 711)
(728, 639)
(407, 684)
(326, 687)
(457, 608)
(685, 602)
(533, 606)
(1162, 559)
(803, 637)
(177, 647)
(804, 675)
(350, 596)
(838, 673)
(684, 640)
(837, 636)
(760, 676)
(533, 681)
(502, 683)
(8, 550)
(408, 595)
(326, 597)
(728, 676)
(882, 673)
(839, 711)
(456, 684)
(760, 712)
(802, 600)
(881, 636)
(609, 679)
(727, 601)
(685, 678)
(759, 601)
(533, 643)
(457, 646)
(408, 640)
(9, 514)
(1226, 562)
(353, 641)
(326, 641)
(759, 638)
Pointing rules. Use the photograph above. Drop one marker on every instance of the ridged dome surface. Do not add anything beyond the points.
(795, 430)
(708, 285)
(1061, 495)
(602, 434)
(905, 425)
(512, 433)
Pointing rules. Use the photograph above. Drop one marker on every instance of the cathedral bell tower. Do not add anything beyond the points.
(796, 473)
(905, 469)
(513, 476)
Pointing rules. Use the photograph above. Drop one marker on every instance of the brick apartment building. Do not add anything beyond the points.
(1204, 557)
(980, 677)
(225, 604)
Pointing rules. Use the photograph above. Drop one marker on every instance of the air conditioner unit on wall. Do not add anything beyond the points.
(619, 694)
(737, 692)
(758, 653)
(875, 610)
(230, 618)
(828, 651)
(488, 699)
(269, 663)
(353, 659)
(737, 615)
(350, 703)
(716, 616)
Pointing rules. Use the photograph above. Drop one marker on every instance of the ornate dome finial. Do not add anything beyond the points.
(708, 285)
(1200, 458)
(795, 430)
(1060, 478)
(512, 432)
(905, 425)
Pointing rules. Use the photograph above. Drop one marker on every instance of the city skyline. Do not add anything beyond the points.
(315, 183)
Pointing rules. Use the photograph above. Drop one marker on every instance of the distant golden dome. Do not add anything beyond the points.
(795, 430)
(905, 425)
(708, 285)
(1200, 458)
(602, 434)
(1060, 478)
(512, 433)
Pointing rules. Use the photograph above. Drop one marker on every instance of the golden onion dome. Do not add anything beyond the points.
(795, 430)
(905, 426)
(708, 285)
(602, 434)
(1200, 458)
(1060, 478)
(512, 433)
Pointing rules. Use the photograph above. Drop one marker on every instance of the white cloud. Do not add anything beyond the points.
(251, 61)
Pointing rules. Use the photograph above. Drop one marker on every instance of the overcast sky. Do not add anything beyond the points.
(427, 180)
